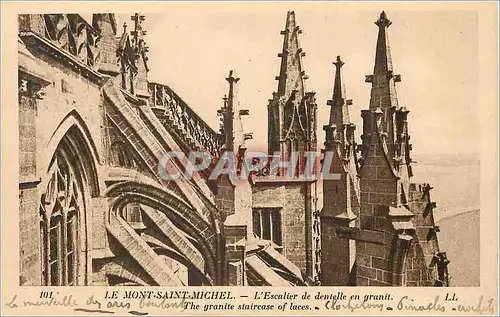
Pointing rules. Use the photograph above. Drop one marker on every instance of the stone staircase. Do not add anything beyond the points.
(192, 143)
(169, 143)
(135, 131)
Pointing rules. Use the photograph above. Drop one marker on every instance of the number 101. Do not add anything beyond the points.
(45, 294)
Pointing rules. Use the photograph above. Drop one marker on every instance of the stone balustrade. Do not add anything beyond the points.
(196, 131)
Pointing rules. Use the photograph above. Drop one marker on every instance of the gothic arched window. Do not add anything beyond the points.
(59, 223)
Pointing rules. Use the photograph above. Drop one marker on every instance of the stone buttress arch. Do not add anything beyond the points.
(174, 207)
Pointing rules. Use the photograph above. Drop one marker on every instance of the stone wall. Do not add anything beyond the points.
(378, 191)
(387, 258)
(29, 200)
(335, 255)
(340, 212)
(67, 99)
(224, 198)
(372, 264)
(235, 253)
(295, 203)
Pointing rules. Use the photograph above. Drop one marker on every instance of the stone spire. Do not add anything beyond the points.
(292, 125)
(137, 36)
(140, 50)
(384, 111)
(340, 154)
(292, 110)
(233, 195)
(232, 123)
(105, 23)
(232, 136)
(137, 33)
(291, 75)
(386, 148)
(339, 112)
(383, 61)
(383, 79)
(340, 194)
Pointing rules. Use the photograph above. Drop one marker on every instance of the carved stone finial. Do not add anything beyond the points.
(231, 79)
(338, 62)
(138, 31)
(383, 21)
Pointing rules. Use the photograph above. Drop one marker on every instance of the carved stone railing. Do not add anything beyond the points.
(73, 34)
(195, 132)
(66, 37)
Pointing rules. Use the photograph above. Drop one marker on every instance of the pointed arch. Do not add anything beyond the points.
(80, 141)
(65, 204)
(175, 208)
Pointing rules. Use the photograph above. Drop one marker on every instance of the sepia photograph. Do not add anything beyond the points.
(100, 142)
(251, 144)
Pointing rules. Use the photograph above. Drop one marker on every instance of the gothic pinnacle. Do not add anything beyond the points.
(138, 31)
(234, 128)
(338, 62)
(229, 100)
(383, 21)
(383, 60)
(339, 113)
(291, 75)
(383, 79)
(338, 87)
(231, 79)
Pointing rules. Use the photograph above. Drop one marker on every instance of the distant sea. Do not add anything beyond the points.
(456, 190)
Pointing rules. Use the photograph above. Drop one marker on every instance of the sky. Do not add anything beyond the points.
(435, 51)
